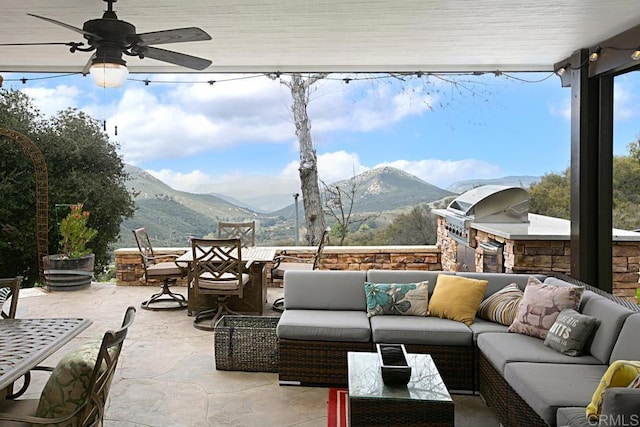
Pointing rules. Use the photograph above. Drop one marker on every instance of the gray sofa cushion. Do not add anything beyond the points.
(498, 281)
(325, 290)
(546, 387)
(420, 330)
(404, 276)
(621, 404)
(572, 417)
(481, 326)
(611, 316)
(627, 347)
(503, 349)
(324, 325)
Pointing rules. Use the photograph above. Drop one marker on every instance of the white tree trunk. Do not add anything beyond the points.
(313, 213)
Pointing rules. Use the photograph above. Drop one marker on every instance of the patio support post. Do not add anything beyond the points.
(591, 174)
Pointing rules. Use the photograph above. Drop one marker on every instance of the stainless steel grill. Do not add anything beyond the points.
(487, 204)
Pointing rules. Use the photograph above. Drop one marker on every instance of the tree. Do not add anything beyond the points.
(300, 88)
(338, 204)
(552, 195)
(83, 166)
(417, 227)
(314, 216)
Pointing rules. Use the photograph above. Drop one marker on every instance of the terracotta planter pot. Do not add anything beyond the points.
(63, 274)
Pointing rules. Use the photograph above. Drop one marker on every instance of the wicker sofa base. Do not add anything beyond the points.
(316, 363)
(504, 400)
(324, 363)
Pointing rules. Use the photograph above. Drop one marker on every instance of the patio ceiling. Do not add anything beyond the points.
(330, 35)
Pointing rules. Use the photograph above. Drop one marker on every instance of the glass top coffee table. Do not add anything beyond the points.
(425, 401)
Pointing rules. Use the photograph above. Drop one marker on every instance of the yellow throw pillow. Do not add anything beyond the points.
(457, 298)
(620, 373)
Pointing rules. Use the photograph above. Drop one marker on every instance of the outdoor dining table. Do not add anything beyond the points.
(24, 343)
(255, 292)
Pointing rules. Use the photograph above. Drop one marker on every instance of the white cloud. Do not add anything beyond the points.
(182, 181)
(561, 108)
(52, 100)
(332, 167)
(443, 173)
(624, 104)
(185, 119)
(365, 106)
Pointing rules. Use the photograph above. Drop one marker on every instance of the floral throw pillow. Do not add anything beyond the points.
(540, 306)
(410, 299)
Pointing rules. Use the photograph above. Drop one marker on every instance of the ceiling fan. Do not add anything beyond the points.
(109, 38)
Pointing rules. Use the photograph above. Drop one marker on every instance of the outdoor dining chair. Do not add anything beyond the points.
(167, 272)
(78, 387)
(218, 271)
(283, 263)
(245, 231)
(9, 288)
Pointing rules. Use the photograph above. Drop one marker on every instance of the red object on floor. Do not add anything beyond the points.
(338, 407)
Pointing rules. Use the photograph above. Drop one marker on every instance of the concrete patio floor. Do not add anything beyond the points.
(166, 373)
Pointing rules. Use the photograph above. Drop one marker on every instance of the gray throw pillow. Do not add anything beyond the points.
(570, 332)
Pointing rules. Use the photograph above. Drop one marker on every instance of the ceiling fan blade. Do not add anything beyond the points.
(178, 35)
(67, 26)
(176, 58)
(42, 44)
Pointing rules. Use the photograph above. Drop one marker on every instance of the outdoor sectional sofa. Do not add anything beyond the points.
(524, 381)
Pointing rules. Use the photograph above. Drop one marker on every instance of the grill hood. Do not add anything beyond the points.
(493, 203)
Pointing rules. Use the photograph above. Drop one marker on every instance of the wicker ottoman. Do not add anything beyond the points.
(246, 343)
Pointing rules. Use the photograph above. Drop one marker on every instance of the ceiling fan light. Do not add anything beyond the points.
(107, 74)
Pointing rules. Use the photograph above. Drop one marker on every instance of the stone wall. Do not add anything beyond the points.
(129, 269)
(544, 256)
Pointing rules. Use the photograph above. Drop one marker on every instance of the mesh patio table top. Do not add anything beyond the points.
(24, 343)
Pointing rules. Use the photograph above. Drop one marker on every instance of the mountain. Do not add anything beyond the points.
(387, 188)
(170, 216)
(145, 186)
(384, 189)
(524, 181)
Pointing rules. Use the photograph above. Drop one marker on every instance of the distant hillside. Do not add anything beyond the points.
(515, 181)
(385, 189)
(171, 216)
(168, 223)
(145, 186)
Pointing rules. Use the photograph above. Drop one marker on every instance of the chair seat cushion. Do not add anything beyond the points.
(164, 269)
(286, 266)
(324, 325)
(207, 282)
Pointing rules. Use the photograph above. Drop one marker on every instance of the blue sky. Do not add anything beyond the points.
(237, 135)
